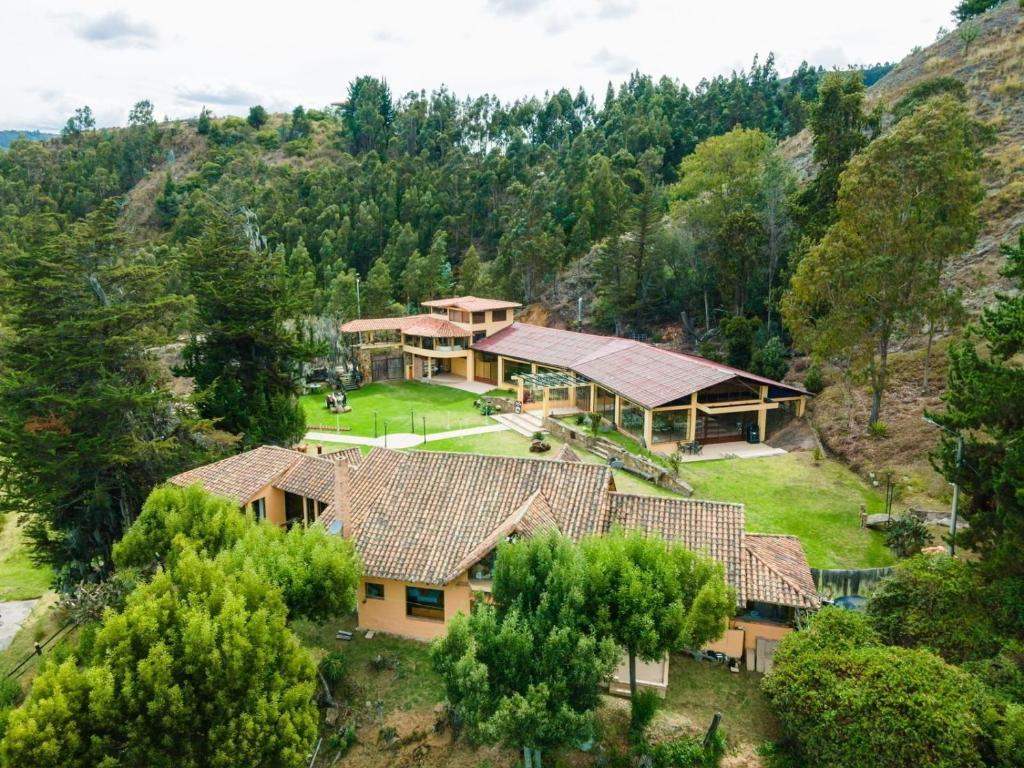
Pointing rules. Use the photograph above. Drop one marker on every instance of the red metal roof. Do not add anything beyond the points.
(647, 375)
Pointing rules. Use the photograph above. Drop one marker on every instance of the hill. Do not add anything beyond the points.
(8, 136)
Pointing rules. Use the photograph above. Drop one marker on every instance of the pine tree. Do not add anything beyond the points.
(379, 297)
(87, 426)
(244, 352)
(469, 273)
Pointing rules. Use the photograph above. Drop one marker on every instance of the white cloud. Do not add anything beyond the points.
(514, 7)
(616, 9)
(226, 95)
(117, 30)
(613, 63)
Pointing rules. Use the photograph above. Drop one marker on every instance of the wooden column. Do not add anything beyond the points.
(533, 367)
(801, 405)
(648, 428)
(618, 411)
(520, 394)
(547, 406)
(762, 415)
(501, 371)
(691, 423)
(593, 398)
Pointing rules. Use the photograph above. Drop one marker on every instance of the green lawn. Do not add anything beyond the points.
(20, 579)
(819, 502)
(402, 406)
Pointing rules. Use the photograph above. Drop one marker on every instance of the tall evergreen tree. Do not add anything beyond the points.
(984, 405)
(245, 351)
(87, 426)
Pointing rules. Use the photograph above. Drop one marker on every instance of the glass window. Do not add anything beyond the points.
(259, 508)
(424, 603)
(374, 591)
(478, 317)
(498, 315)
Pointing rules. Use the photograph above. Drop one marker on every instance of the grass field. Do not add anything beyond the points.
(819, 502)
(20, 578)
(401, 406)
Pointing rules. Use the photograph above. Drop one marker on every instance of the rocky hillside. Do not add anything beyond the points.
(991, 67)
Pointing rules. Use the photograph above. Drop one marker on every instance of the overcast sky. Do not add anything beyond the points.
(182, 54)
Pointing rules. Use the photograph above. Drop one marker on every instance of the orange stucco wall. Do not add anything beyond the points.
(275, 503)
(755, 629)
(388, 615)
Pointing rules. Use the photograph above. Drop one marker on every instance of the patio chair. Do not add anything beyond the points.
(696, 448)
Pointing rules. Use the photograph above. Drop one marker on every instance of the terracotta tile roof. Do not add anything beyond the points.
(471, 303)
(417, 515)
(777, 571)
(438, 327)
(352, 455)
(379, 323)
(647, 375)
(241, 476)
(567, 454)
(712, 527)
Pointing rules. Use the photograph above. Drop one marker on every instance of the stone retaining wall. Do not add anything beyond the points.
(637, 465)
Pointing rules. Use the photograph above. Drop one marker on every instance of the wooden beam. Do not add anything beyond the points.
(713, 411)
(691, 423)
(648, 428)
(762, 415)
(618, 411)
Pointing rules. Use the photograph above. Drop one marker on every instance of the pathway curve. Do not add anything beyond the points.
(13, 615)
(400, 439)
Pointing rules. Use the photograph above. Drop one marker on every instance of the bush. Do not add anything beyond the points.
(1003, 674)
(10, 692)
(878, 429)
(936, 602)
(814, 382)
(877, 706)
(689, 752)
(333, 667)
(580, 419)
(770, 359)
(907, 535)
(1010, 738)
(642, 709)
(341, 742)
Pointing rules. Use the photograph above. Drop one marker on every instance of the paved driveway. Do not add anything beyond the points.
(13, 614)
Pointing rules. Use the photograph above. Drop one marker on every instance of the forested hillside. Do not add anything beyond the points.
(8, 137)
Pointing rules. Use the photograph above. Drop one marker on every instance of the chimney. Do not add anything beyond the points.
(343, 495)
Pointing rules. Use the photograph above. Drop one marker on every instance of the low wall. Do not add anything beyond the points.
(500, 404)
(637, 465)
(844, 582)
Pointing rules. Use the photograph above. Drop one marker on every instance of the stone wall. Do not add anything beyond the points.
(637, 465)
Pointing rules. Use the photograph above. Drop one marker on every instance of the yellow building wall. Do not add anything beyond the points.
(459, 366)
(274, 501)
(755, 629)
(388, 615)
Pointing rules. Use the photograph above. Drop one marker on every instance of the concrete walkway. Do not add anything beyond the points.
(13, 614)
(397, 440)
(457, 382)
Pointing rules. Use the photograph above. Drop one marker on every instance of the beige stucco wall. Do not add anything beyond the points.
(275, 503)
(459, 366)
(755, 629)
(388, 615)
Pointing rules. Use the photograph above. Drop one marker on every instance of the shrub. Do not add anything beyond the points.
(813, 380)
(1010, 738)
(642, 709)
(878, 706)
(333, 667)
(770, 359)
(10, 692)
(878, 429)
(342, 741)
(538, 435)
(907, 535)
(1003, 673)
(595, 423)
(937, 603)
(689, 752)
(580, 419)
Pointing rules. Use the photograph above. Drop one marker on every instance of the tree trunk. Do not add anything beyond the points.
(632, 674)
(878, 378)
(928, 356)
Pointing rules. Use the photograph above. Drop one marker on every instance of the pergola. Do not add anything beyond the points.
(545, 381)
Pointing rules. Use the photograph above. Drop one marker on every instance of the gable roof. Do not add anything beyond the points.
(379, 323)
(777, 571)
(417, 515)
(712, 527)
(438, 327)
(243, 475)
(566, 453)
(647, 375)
(471, 303)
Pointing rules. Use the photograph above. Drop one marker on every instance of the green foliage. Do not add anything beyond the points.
(341, 742)
(87, 426)
(984, 391)
(689, 752)
(770, 359)
(814, 382)
(243, 354)
(906, 535)
(257, 116)
(1003, 673)
(739, 333)
(906, 204)
(208, 524)
(848, 701)
(204, 122)
(968, 9)
(200, 669)
(938, 603)
(10, 692)
(334, 667)
(526, 671)
(317, 572)
(1010, 739)
(642, 709)
(653, 597)
(927, 89)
